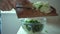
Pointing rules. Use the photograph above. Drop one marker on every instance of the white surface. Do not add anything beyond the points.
(50, 28)
(11, 11)
(10, 23)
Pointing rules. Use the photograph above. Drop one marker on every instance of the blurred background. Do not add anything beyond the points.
(11, 24)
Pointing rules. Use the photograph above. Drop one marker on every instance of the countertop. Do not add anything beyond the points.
(51, 29)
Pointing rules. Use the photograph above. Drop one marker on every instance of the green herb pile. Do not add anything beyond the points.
(33, 25)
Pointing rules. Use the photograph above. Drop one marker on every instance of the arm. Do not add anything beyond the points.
(7, 5)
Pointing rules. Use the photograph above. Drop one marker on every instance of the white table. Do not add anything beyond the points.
(52, 29)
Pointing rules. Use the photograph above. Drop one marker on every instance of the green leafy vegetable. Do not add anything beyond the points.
(34, 25)
(46, 31)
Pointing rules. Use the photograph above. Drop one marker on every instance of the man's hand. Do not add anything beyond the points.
(7, 4)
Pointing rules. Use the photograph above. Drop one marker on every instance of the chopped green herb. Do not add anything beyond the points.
(35, 25)
(46, 31)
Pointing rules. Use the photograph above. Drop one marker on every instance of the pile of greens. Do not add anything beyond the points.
(43, 6)
(33, 25)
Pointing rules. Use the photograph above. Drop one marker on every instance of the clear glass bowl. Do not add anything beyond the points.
(33, 28)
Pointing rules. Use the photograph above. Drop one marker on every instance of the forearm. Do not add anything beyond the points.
(7, 5)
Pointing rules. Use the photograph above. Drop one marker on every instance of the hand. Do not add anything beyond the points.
(7, 5)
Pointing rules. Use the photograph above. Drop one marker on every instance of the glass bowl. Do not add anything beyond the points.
(32, 27)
